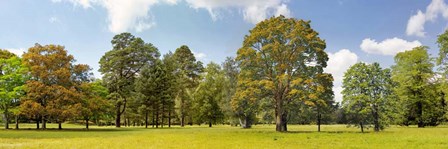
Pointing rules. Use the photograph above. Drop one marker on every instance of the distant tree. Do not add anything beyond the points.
(51, 92)
(414, 75)
(188, 71)
(121, 65)
(321, 96)
(279, 56)
(171, 85)
(231, 72)
(150, 87)
(367, 94)
(209, 95)
(12, 79)
(94, 101)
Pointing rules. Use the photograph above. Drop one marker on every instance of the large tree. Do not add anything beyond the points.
(12, 79)
(208, 96)
(367, 94)
(188, 72)
(281, 55)
(51, 92)
(414, 74)
(121, 65)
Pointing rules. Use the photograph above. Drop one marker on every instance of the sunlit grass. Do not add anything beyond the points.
(261, 136)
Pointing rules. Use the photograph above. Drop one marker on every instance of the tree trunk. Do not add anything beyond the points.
(281, 116)
(210, 123)
(157, 119)
(44, 123)
(182, 120)
(318, 121)
(163, 113)
(169, 118)
(420, 114)
(376, 121)
(37, 123)
(362, 126)
(17, 122)
(146, 118)
(59, 125)
(6, 119)
(119, 112)
(87, 123)
(153, 119)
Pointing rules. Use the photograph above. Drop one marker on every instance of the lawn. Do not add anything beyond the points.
(261, 136)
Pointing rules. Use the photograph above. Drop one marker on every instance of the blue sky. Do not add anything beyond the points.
(354, 30)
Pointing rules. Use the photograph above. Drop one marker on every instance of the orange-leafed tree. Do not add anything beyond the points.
(51, 93)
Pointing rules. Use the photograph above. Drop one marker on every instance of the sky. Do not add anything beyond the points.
(354, 30)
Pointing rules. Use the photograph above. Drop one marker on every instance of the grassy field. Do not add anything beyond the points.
(261, 136)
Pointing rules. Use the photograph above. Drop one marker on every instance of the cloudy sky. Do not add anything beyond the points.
(355, 30)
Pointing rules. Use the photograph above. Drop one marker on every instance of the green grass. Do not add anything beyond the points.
(261, 136)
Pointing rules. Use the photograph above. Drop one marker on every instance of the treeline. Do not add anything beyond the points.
(276, 78)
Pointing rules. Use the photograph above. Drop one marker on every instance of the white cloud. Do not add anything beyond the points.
(388, 46)
(124, 15)
(18, 52)
(199, 55)
(253, 11)
(416, 25)
(417, 22)
(338, 63)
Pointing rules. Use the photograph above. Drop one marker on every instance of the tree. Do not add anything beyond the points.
(171, 81)
(366, 94)
(121, 65)
(5, 54)
(188, 74)
(442, 62)
(51, 92)
(280, 55)
(414, 75)
(208, 96)
(231, 71)
(321, 96)
(94, 101)
(12, 79)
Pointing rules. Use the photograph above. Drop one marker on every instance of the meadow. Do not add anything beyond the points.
(260, 136)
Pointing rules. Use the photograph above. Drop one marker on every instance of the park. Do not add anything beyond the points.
(281, 87)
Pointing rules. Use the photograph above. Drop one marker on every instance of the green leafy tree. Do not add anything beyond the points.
(94, 101)
(414, 75)
(12, 79)
(442, 62)
(208, 96)
(121, 65)
(188, 72)
(280, 56)
(231, 72)
(367, 94)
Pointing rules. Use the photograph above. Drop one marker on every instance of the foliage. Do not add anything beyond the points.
(417, 88)
(278, 58)
(120, 66)
(51, 93)
(188, 74)
(208, 96)
(12, 79)
(367, 95)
